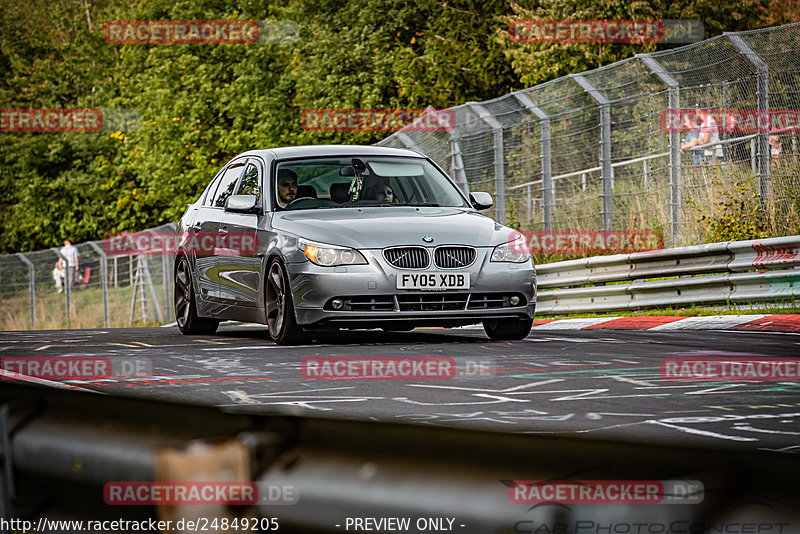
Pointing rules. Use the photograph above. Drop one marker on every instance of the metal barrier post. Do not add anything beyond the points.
(499, 161)
(103, 279)
(607, 172)
(674, 144)
(457, 170)
(762, 81)
(31, 287)
(547, 173)
(167, 277)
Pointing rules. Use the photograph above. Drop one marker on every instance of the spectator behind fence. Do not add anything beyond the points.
(775, 147)
(58, 275)
(738, 151)
(694, 132)
(709, 133)
(70, 253)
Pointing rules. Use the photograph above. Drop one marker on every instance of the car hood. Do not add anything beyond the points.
(384, 227)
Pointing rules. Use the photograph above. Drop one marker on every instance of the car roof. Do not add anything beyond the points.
(331, 150)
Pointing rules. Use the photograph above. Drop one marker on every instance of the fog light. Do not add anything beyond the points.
(337, 304)
(513, 300)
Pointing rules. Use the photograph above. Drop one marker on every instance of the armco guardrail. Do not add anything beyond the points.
(737, 272)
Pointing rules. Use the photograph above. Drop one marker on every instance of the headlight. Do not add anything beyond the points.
(330, 255)
(515, 251)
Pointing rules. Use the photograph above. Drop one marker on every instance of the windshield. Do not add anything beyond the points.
(316, 183)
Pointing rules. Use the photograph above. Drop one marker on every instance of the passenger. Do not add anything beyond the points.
(385, 194)
(380, 191)
(287, 187)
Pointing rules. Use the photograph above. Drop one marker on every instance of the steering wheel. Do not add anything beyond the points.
(307, 202)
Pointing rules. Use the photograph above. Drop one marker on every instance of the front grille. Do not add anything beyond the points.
(407, 257)
(438, 302)
(454, 257)
(427, 302)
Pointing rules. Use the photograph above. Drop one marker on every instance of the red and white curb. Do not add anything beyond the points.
(752, 323)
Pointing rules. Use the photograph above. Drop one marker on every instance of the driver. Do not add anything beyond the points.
(287, 187)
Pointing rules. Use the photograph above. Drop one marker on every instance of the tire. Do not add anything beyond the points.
(282, 325)
(185, 305)
(508, 329)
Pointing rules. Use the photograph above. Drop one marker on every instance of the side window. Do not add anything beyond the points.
(250, 183)
(227, 184)
(208, 194)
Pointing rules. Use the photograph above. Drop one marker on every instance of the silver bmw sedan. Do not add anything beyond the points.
(315, 238)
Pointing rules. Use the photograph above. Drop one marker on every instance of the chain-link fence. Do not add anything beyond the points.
(44, 290)
(584, 152)
(590, 151)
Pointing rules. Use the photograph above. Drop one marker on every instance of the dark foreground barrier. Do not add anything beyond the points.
(90, 457)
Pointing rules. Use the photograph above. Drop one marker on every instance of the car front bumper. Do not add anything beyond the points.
(371, 296)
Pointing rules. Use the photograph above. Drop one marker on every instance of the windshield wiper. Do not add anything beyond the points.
(423, 205)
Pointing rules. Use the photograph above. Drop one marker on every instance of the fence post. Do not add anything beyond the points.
(528, 203)
(167, 276)
(605, 145)
(762, 81)
(675, 201)
(547, 172)
(457, 170)
(103, 279)
(499, 160)
(31, 287)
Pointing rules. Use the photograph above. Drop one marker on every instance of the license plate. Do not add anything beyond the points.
(433, 281)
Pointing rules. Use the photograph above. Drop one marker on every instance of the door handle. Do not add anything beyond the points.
(223, 230)
(195, 227)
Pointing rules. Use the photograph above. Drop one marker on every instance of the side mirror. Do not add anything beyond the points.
(242, 204)
(481, 200)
